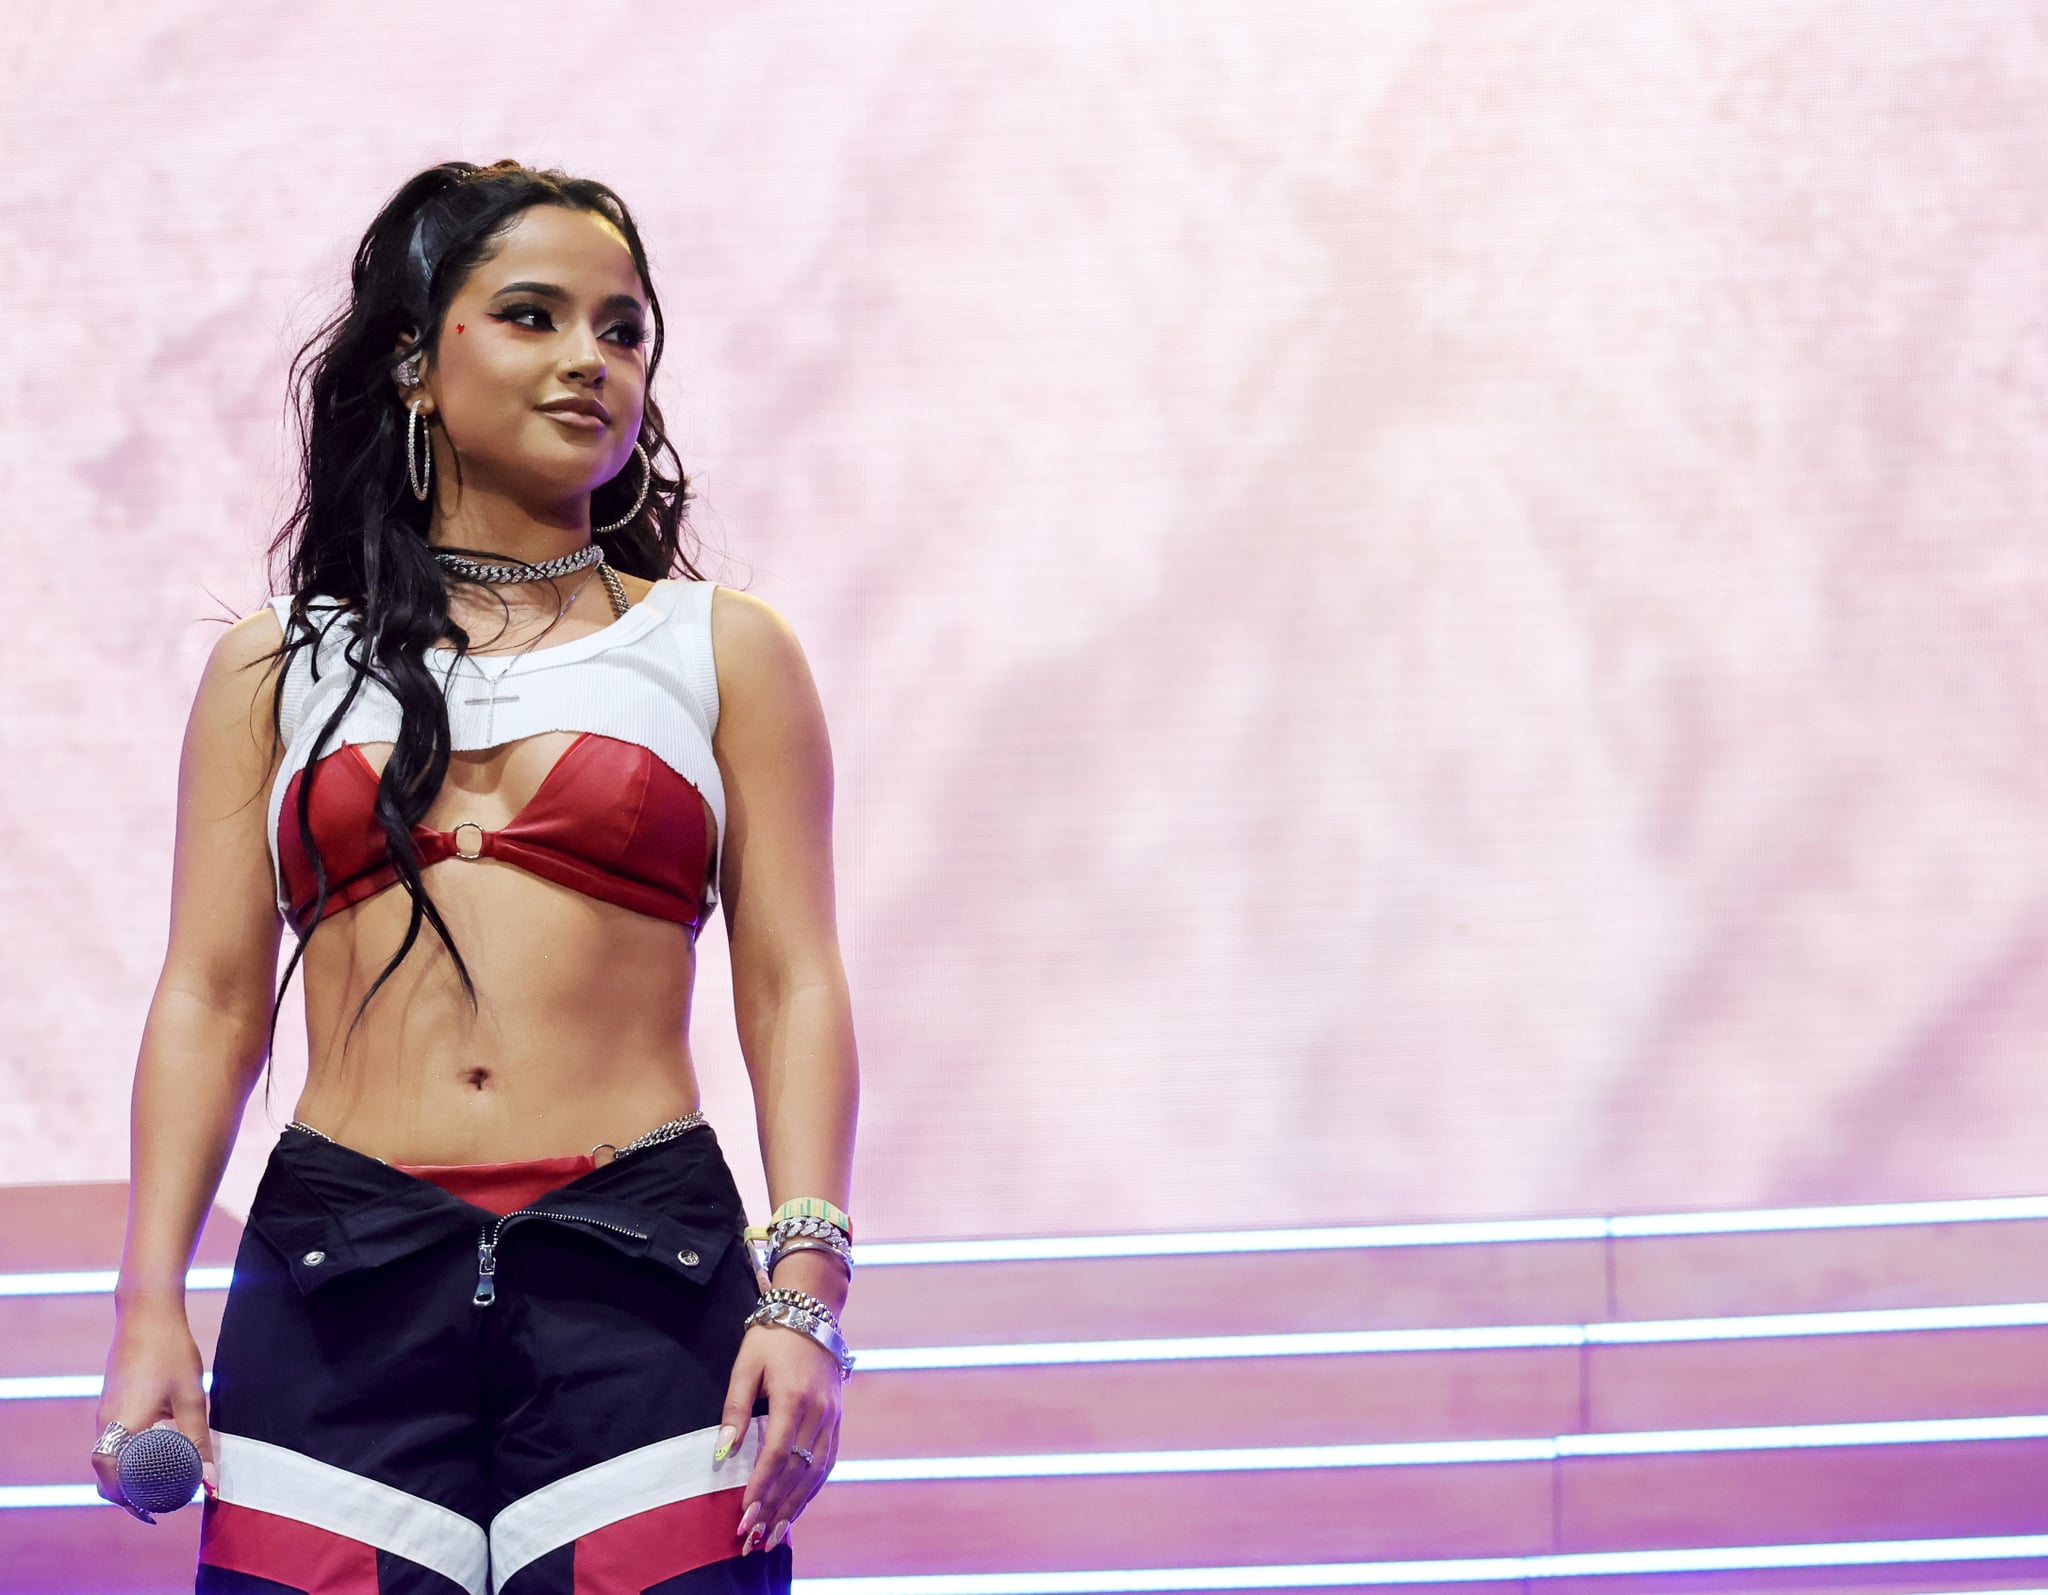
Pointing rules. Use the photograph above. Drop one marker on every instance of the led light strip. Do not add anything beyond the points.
(1449, 1453)
(1487, 1232)
(1361, 1575)
(99, 1282)
(1345, 1343)
(1511, 1337)
(1352, 1237)
(1357, 1575)
(1303, 1458)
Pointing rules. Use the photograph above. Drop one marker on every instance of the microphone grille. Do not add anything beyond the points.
(159, 1470)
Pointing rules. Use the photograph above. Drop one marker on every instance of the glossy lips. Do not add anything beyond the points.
(585, 414)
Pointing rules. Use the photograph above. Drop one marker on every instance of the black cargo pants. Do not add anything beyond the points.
(413, 1395)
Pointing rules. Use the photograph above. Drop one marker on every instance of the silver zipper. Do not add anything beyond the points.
(487, 1246)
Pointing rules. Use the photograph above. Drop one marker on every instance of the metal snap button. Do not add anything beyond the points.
(687, 1259)
(314, 1259)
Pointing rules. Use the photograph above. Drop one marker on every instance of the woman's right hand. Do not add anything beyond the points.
(153, 1373)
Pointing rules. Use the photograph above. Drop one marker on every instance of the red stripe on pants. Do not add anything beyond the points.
(243, 1540)
(626, 1557)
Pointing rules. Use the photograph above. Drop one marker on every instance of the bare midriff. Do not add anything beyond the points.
(579, 1033)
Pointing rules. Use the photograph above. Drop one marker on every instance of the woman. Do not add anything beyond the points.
(496, 1320)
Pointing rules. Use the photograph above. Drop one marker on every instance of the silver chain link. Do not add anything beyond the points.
(654, 1137)
(501, 572)
(661, 1132)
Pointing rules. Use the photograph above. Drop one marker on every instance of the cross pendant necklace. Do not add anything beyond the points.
(490, 704)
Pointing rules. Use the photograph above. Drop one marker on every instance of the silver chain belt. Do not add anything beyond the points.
(660, 1133)
(654, 1137)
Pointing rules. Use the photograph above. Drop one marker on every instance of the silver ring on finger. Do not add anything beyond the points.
(112, 1438)
(799, 1451)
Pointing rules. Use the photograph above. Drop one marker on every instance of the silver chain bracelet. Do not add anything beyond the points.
(776, 1309)
(781, 1249)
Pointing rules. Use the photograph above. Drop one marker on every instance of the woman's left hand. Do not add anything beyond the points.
(803, 1383)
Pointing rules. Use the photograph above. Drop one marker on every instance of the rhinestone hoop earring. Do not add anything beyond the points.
(646, 481)
(414, 424)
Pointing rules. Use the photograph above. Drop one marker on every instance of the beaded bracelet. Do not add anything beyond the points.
(813, 1207)
(802, 1300)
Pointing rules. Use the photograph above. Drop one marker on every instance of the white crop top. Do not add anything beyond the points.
(647, 678)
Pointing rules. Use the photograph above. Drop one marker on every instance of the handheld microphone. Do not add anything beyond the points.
(160, 1469)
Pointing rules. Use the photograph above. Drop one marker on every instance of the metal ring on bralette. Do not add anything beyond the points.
(593, 1152)
(468, 825)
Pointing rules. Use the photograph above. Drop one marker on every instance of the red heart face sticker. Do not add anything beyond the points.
(458, 326)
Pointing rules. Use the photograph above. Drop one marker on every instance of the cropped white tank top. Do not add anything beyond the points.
(647, 678)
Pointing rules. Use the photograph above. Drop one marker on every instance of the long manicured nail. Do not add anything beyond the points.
(726, 1436)
(747, 1520)
(775, 1539)
(754, 1539)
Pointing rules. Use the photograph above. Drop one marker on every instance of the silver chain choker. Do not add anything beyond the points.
(498, 572)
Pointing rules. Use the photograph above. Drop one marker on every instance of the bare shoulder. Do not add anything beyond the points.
(224, 921)
(244, 652)
(249, 639)
(771, 724)
(755, 647)
(237, 686)
(775, 756)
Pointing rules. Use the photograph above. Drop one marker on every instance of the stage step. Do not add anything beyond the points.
(1172, 1509)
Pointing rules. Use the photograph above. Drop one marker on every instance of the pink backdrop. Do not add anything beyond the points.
(1428, 609)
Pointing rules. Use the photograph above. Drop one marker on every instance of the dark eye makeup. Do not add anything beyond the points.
(635, 335)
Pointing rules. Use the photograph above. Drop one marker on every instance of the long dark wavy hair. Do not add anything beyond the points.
(358, 535)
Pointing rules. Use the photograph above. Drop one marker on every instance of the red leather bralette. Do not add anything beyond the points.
(609, 819)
